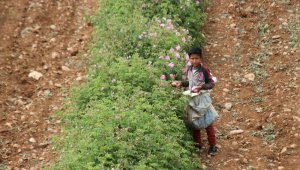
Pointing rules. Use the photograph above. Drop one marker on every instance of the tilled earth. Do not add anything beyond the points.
(42, 51)
(253, 48)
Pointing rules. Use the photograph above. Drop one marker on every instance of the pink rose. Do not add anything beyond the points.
(171, 65)
(172, 76)
(177, 55)
(189, 64)
(172, 50)
(162, 77)
(171, 27)
(187, 58)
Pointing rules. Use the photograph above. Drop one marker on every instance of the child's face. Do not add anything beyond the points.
(195, 60)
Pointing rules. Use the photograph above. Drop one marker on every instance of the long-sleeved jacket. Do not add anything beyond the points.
(199, 76)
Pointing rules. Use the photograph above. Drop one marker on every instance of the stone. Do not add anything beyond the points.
(43, 145)
(245, 161)
(283, 150)
(296, 118)
(235, 143)
(226, 90)
(259, 110)
(272, 114)
(52, 40)
(65, 68)
(54, 55)
(16, 145)
(53, 27)
(250, 76)
(235, 132)
(80, 78)
(35, 75)
(228, 106)
(280, 168)
(57, 85)
(233, 25)
(45, 67)
(32, 140)
(276, 37)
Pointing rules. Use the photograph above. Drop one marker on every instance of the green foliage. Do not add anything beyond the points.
(268, 132)
(133, 26)
(184, 13)
(125, 117)
(124, 126)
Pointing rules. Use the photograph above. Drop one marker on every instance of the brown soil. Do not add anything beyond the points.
(236, 32)
(48, 37)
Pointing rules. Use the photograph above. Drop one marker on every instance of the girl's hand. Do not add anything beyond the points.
(196, 89)
(176, 84)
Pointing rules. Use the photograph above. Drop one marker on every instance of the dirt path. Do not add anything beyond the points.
(37, 38)
(253, 48)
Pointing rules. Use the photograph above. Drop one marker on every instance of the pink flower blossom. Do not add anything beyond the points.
(172, 76)
(172, 50)
(184, 70)
(177, 55)
(162, 25)
(171, 65)
(178, 47)
(167, 58)
(186, 56)
(174, 84)
(171, 27)
(161, 57)
(183, 39)
(189, 64)
(162, 77)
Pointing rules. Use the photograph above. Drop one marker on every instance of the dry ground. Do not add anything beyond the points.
(48, 37)
(253, 48)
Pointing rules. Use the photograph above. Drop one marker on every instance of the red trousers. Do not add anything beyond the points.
(211, 135)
